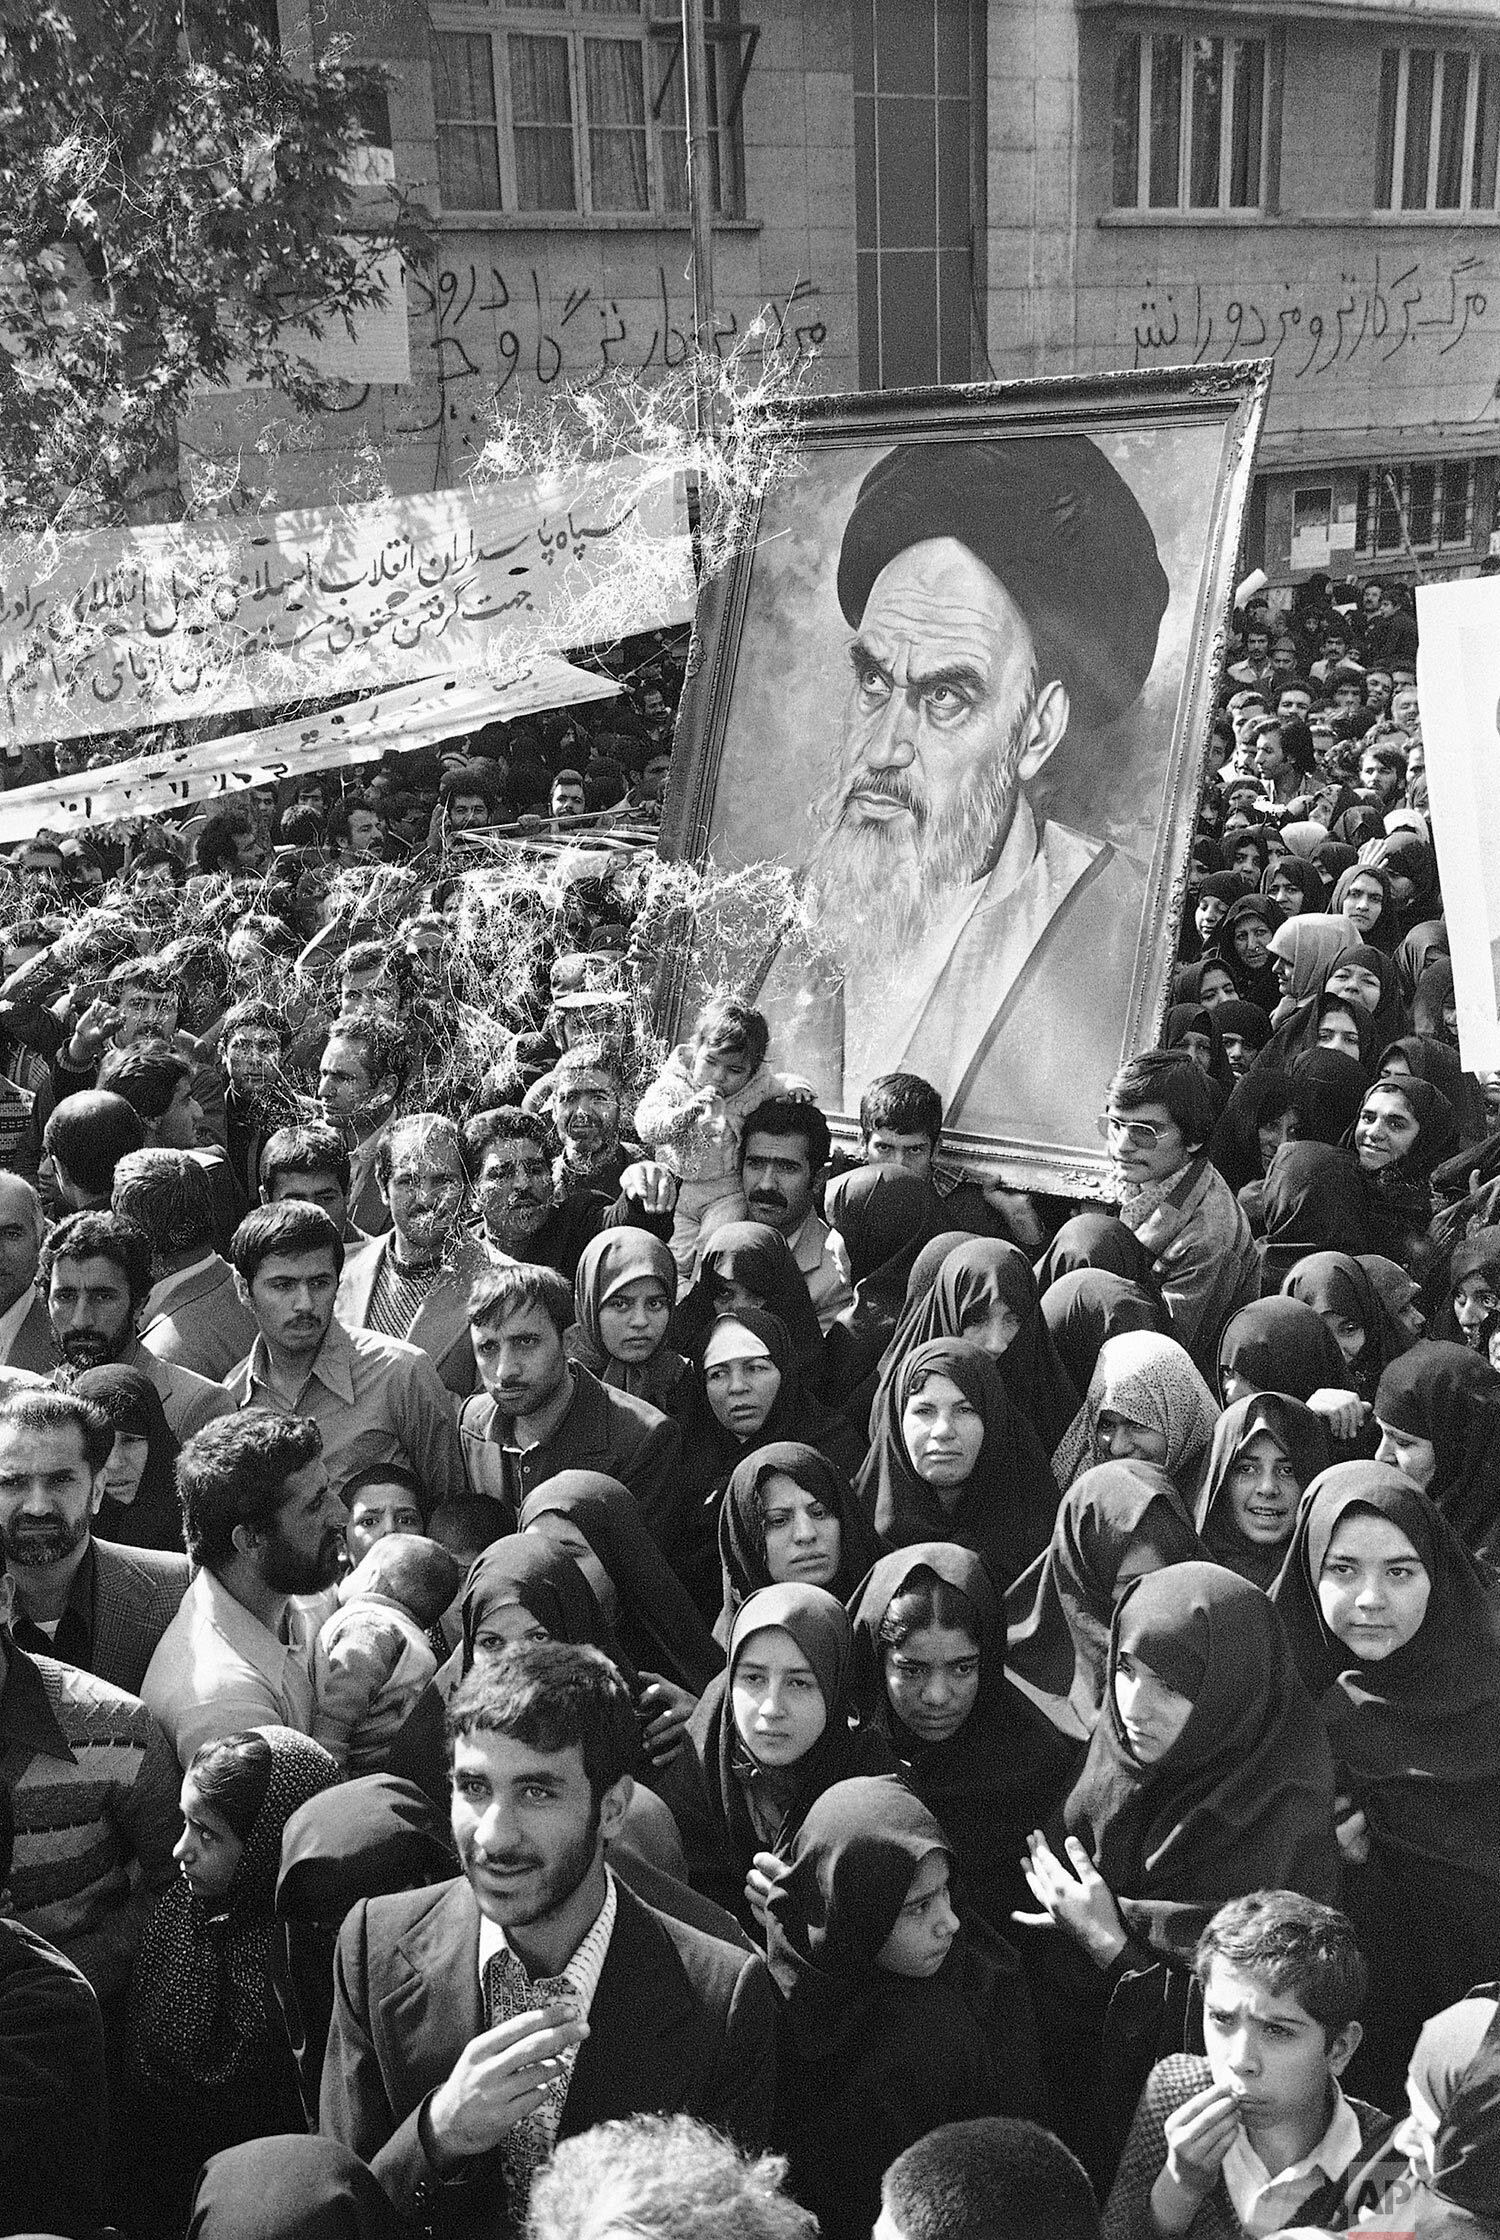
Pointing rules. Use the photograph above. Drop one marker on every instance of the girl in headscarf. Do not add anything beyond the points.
(750, 1264)
(1244, 942)
(1084, 1309)
(1434, 1007)
(899, 2011)
(1266, 1450)
(1301, 952)
(930, 1673)
(1295, 885)
(1473, 1305)
(1427, 1059)
(1249, 852)
(519, 1588)
(772, 1732)
(1438, 1409)
(1146, 1402)
(1340, 1023)
(1096, 1240)
(1262, 1114)
(1314, 1201)
(789, 1516)
(1368, 975)
(1363, 895)
(1244, 1029)
(140, 1508)
(209, 2055)
(747, 1390)
(1335, 1286)
(1411, 876)
(598, 1522)
(1396, 1632)
(1450, 2187)
(1215, 896)
(1116, 1522)
(985, 1291)
(1302, 836)
(1405, 1127)
(1191, 1027)
(954, 1459)
(1278, 1345)
(885, 1217)
(623, 1295)
(1400, 1291)
(1426, 944)
(1208, 1776)
(1329, 1085)
(1208, 982)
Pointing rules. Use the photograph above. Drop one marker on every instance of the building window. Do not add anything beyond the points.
(557, 105)
(1427, 504)
(1191, 121)
(1438, 129)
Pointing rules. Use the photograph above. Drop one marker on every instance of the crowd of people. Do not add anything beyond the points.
(574, 1659)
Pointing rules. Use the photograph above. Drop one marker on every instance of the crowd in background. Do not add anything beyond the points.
(1019, 1660)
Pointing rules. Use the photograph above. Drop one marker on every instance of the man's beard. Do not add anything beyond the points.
(874, 889)
(286, 1570)
(567, 1874)
(90, 1349)
(30, 1545)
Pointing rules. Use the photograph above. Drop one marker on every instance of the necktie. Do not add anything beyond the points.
(508, 1992)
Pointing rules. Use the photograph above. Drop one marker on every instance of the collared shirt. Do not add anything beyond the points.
(160, 1294)
(819, 1252)
(1265, 2204)
(374, 1399)
(72, 1636)
(12, 1319)
(217, 1668)
(581, 1975)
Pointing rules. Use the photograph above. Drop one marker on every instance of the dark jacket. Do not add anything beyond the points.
(603, 1430)
(679, 2021)
(136, 1596)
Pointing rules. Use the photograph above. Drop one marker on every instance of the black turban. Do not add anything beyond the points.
(1050, 517)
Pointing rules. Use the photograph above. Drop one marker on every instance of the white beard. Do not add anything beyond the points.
(874, 889)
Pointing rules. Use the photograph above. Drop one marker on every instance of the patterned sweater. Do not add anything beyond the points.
(1127, 2213)
(94, 1783)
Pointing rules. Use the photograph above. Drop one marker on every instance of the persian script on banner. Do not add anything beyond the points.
(123, 629)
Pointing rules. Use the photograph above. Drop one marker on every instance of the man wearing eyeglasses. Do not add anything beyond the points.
(1158, 1117)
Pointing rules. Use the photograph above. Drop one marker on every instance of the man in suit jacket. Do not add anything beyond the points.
(26, 1340)
(478, 2021)
(413, 1281)
(85, 1601)
(193, 1315)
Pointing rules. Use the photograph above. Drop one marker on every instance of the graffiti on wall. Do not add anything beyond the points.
(1404, 305)
(491, 328)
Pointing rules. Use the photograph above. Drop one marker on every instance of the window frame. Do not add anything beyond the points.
(1371, 499)
(1389, 198)
(1234, 34)
(731, 45)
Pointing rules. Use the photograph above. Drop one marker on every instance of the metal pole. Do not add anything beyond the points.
(700, 193)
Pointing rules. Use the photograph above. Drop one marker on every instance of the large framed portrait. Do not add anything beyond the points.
(957, 684)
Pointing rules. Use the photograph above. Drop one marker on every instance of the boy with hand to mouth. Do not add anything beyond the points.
(1256, 2135)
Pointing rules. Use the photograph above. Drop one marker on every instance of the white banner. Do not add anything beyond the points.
(409, 716)
(123, 629)
(1458, 686)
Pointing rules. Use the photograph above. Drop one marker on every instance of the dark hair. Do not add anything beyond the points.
(232, 1774)
(1168, 1077)
(552, 1696)
(904, 1103)
(382, 1043)
(502, 1290)
(474, 779)
(467, 1523)
(234, 1471)
(255, 1011)
(791, 1116)
(992, 2178)
(1297, 745)
(311, 1148)
(1385, 754)
(426, 1125)
(101, 1236)
(1296, 1946)
(195, 957)
(729, 1023)
(503, 1124)
(149, 858)
(215, 849)
(337, 824)
(147, 1075)
(140, 972)
(292, 1227)
(169, 1195)
(41, 1409)
(926, 1600)
(383, 1474)
(88, 1134)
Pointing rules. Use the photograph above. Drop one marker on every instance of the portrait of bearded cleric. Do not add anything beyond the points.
(959, 711)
